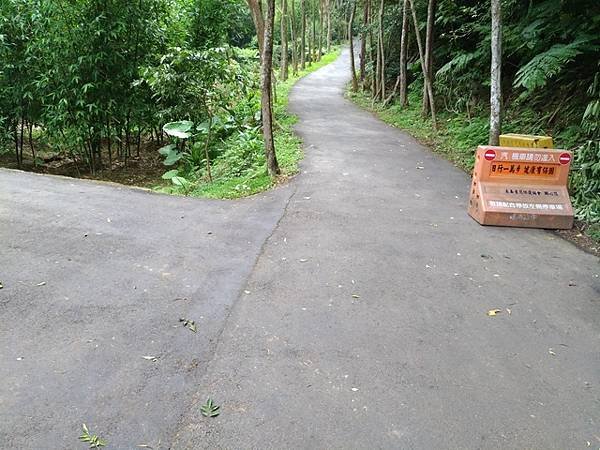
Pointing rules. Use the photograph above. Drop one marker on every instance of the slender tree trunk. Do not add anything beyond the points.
(303, 35)
(265, 82)
(16, 138)
(363, 41)
(31, 146)
(429, 52)
(426, 78)
(314, 34)
(373, 56)
(382, 50)
(259, 22)
(22, 139)
(351, 40)
(284, 43)
(109, 139)
(206, 144)
(321, 12)
(328, 9)
(403, 56)
(496, 75)
(294, 39)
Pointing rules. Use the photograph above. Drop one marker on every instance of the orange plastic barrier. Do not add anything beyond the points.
(521, 187)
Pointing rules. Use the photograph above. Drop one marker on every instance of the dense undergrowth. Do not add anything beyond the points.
(239, 169)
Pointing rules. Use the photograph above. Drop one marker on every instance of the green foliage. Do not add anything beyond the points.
(210, 409)
(585, 175)
(546, 65)
(216, 23)
(91, 439)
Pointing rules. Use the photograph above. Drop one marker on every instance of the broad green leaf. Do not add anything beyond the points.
(179, 129)
(166, 149)
(179, 181)
(170, 174)
(172, 158)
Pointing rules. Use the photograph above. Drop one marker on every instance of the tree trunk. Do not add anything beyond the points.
(284, 43)
(426, 78)
(381, 51)
(266, 84)
(328, 9)
(363, 41)
(429, 52)
(259, 22)
(351, 41)
(294, 43)
(321, 12)
(403, 56)
(314, 34)
(496, 78)
(303, 35)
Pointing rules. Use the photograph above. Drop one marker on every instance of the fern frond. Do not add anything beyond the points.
(544, 66)
(456, 64)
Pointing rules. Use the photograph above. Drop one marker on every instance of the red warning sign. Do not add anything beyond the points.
(565, 158)
(490, 155)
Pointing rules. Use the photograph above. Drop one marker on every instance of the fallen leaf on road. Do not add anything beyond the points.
(209, 409)
(190, 324)
(494, 312)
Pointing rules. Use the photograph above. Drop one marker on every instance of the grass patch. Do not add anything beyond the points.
(457, 136)
(232, 182)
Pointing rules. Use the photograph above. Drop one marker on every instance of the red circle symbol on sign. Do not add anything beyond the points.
(564, 158)
(490, 155)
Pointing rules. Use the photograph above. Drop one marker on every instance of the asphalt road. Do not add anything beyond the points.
(362, 324)
(96, 277)
(366, 327)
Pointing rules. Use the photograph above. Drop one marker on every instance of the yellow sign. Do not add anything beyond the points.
(525, 141)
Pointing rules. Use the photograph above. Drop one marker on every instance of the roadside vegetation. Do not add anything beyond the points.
(94, 88)
(550, 83)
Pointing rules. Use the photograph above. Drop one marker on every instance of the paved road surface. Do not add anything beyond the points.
(121, 267)
(414, 362)
(361, 325)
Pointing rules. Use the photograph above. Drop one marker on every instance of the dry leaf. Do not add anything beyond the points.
(494, 312)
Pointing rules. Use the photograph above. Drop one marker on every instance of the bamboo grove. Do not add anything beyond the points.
(94, 81)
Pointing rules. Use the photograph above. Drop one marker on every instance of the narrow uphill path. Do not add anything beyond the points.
(363, 324)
